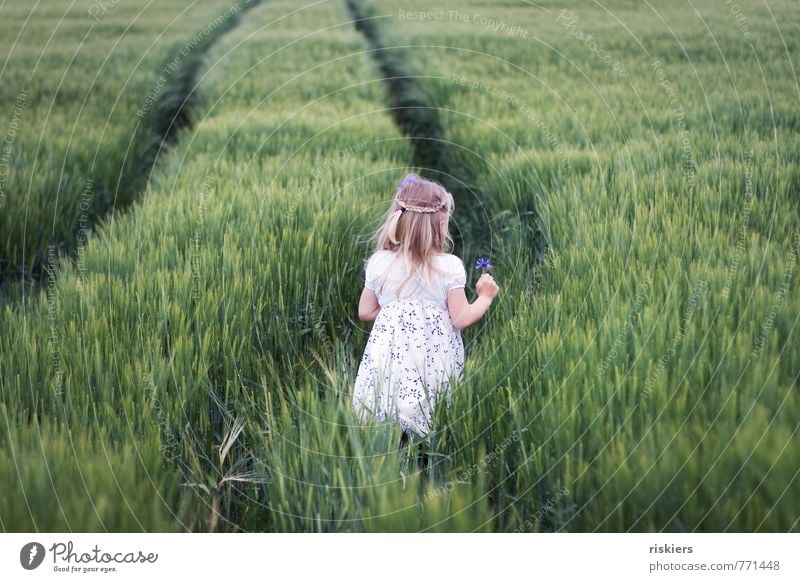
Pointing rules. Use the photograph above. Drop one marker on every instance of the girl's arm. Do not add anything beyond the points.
(368, 306)
(461, 312)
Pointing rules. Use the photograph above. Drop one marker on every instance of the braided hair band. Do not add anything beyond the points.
(411, 208)
(411, 179)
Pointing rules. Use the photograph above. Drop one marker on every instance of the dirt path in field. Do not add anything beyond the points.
(416, 116)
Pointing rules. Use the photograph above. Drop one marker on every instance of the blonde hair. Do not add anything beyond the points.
(413, 226)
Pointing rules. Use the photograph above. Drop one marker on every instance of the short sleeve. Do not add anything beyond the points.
(369, 274)
(459, 278)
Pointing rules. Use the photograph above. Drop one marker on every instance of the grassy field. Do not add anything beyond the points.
(191, 368)
(90, 91)
(651, 368)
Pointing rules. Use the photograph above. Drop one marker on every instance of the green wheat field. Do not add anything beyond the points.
(186, 193)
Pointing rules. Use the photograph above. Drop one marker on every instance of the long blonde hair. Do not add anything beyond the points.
(413, 226)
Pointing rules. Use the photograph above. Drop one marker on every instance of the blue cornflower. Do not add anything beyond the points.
(483, 264)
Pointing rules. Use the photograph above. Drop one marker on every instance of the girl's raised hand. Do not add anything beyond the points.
(486, 287)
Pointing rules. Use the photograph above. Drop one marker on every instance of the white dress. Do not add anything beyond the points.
(414, 354)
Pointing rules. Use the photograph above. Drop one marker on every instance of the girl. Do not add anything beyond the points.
(414, 292)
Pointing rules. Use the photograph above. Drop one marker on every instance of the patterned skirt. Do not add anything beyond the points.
(414, 356)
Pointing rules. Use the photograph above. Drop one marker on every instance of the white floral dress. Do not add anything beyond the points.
(414, 354)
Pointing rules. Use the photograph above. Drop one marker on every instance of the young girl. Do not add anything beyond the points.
(414, 292)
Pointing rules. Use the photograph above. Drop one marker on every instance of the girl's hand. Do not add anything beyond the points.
(486, 287)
